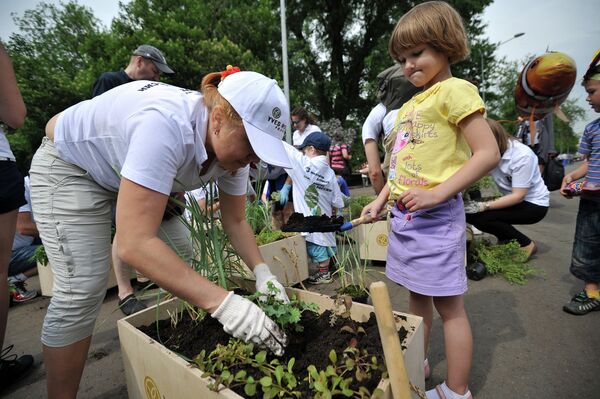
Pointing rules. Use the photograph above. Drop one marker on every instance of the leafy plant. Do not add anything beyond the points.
(486, 182)
(286, 315)
(276, 380)
(258, 215)
(39, 256)
(269, 236)
(507, 260)
(337, 378)
(213, 256)
(358, 203)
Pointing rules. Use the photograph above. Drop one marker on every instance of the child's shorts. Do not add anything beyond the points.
(426, 251)
(585, 262)
(319, 253)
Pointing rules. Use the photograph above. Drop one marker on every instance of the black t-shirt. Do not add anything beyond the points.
(108, 80)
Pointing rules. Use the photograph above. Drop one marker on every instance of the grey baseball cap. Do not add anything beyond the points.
(154, 55)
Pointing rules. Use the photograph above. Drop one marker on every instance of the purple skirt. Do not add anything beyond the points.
(426, 250)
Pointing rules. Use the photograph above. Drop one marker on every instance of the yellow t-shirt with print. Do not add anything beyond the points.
(429, 147)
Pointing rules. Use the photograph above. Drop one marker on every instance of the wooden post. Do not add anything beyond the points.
(390, 341)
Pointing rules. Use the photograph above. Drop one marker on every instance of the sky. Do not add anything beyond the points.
(559, 25)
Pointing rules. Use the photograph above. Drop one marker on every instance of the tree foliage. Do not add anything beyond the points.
(336, 49)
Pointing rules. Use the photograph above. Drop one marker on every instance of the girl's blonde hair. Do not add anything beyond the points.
(434, 23)
(213, 99)
(501, 135)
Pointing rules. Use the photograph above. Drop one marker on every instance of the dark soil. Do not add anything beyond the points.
(313, 224)
(312, 346)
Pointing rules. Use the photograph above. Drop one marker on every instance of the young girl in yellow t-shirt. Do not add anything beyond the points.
(443, 145)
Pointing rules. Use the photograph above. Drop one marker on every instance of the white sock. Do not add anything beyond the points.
(450, 394)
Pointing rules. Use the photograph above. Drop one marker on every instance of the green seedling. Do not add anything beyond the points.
(285, 315)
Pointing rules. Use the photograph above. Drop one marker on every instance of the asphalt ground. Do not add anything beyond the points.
(525, 346)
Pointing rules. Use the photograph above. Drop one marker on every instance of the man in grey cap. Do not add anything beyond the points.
(147, 62)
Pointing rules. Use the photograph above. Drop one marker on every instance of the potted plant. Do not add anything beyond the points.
(352, 271)
(478, 190)
(349, 364)
(284, 252)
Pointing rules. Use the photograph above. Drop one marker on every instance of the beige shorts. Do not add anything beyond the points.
(74, 216)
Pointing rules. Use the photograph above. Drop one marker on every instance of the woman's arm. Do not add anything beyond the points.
(139, 215)
(515, 197)
(12, 107)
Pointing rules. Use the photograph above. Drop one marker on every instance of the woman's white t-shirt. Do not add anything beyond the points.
(298, 136)
(519, 168)
(377, 120)
(148, 132)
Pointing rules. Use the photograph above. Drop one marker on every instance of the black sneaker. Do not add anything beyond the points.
(320, 278)
(130, 305)
(12, 368)
(582, 304)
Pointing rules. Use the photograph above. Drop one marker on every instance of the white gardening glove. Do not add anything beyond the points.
(263, 276)
(246, 321)
(475, 207)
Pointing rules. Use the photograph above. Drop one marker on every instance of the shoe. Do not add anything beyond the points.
(130, 305)
(443, 392)
(582, 304)
(320, 278)
(530, 249)
(12, 368)
(19, 293)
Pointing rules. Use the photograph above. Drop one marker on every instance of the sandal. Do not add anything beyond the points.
(130, 305)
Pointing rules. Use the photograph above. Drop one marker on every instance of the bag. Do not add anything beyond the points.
(554, 172)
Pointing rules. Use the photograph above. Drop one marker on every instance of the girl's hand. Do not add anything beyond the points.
(373, 209)
(417, 198)
(566, 180)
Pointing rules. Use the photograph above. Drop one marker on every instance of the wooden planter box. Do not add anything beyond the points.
(287, 260)
(373, 240)
(153, 371)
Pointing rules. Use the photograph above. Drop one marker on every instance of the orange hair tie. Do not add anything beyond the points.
(229, 70)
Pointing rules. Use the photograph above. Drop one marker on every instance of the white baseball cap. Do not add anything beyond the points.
(264, 111)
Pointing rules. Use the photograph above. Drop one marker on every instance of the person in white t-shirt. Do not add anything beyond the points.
(393, 91)
(145, 140)
(525, 198)
(303, 124)
(316, 192)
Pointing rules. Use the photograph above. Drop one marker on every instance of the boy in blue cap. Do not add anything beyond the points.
(316, 193)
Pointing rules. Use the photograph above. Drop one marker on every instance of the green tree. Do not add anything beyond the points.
(201, 37)
(338, 47)
(51, 54)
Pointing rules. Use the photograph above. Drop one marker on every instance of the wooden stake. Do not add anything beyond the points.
(390, 341)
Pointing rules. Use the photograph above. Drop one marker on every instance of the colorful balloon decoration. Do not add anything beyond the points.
(544, 83)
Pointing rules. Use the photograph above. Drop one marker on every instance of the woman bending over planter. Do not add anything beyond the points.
(525, 197)
(145, 140)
